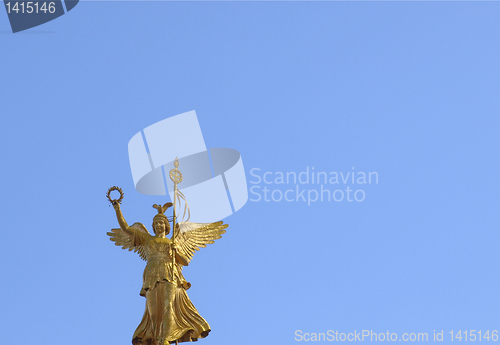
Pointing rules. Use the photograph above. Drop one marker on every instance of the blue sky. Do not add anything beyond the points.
(405, 89)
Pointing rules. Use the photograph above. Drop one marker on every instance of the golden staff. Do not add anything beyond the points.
(176, 177)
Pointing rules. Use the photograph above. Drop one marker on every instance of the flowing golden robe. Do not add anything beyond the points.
(169, 314)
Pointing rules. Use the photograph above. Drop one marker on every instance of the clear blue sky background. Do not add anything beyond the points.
(408, 90)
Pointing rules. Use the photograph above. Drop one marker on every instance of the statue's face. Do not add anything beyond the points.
(159, 226)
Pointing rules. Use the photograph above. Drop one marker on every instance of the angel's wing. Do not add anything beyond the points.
(193, 236)
(121, 238)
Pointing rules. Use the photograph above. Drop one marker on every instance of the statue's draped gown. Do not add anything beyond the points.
(169, 314)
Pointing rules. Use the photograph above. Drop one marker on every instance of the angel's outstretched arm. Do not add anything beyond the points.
(123, 224)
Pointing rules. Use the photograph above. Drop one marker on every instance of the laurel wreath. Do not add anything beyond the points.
(108, 194)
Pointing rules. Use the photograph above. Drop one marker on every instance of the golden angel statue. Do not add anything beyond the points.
(170, 317)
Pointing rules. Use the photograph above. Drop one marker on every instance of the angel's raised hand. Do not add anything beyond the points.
(116, 205)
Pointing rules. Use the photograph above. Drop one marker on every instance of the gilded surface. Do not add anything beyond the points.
(169, 316)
